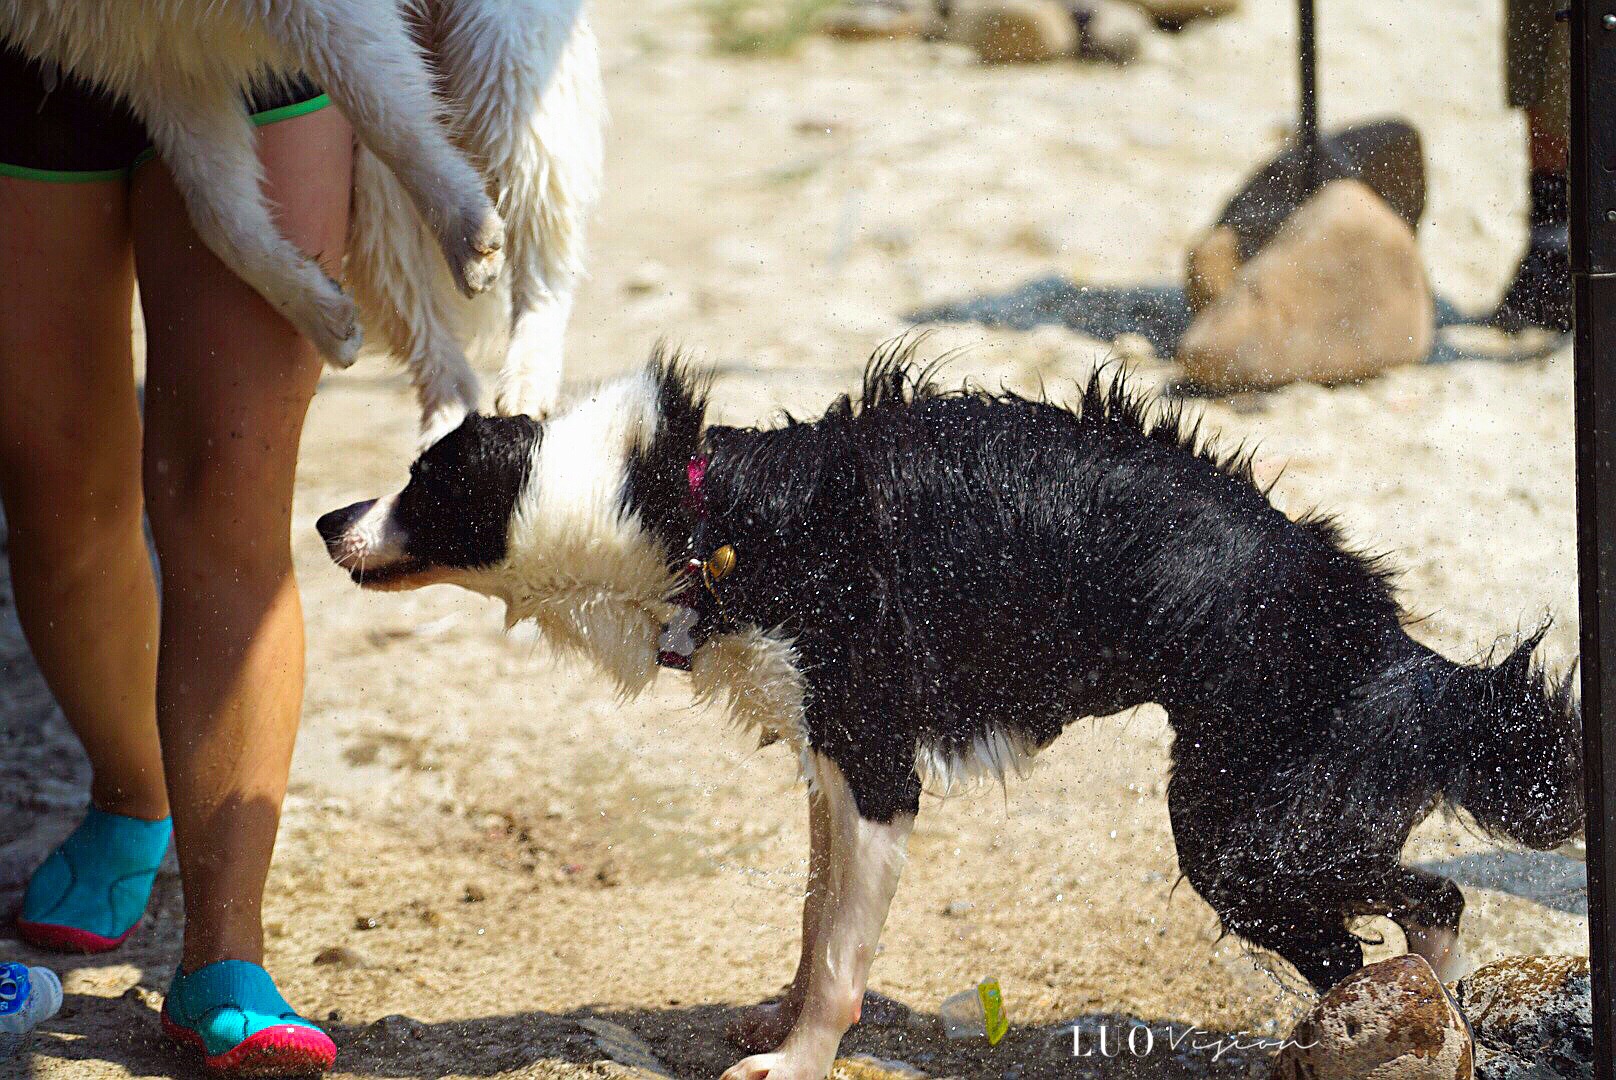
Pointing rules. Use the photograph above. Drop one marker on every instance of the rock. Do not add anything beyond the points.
(865, 1067)
(396, 1026)
(1389, 1021)
(473, 894)
(1339, 294)
(1493, 1065)
(623, 1046)
(1530, 1012)
(958, 908)
(339, 956)
(1385, 154)
(1111, 31)
(1016, 31)
(1213, 263)
(1388, 155)
(865, 21)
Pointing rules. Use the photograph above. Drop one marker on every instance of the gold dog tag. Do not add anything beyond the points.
(722, 562)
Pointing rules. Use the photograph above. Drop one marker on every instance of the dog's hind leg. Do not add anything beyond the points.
(403, 293)
(523, 85)
(1429, 908)
(206, 140)
(866, 860)
(362, 54)
(1315, 942)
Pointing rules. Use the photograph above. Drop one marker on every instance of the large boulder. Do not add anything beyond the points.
(1389, 1021)
(1532, 1017)
(1385, 154)
(1339, 294)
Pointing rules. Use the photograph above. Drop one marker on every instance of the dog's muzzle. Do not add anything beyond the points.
(336, 527)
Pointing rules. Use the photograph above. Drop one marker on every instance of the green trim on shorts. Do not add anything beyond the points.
(292, 111)
(259, 119)
(58, 176)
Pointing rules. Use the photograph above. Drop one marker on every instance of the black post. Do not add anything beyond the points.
(1307, 131)
(1593, 269)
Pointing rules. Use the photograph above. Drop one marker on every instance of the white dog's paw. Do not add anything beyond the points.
(475, 248)
(328, 317)
(776, 1067)
(438, 422)
(525, 397)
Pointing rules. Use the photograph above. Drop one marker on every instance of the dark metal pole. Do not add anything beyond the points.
(1307, 131)
(1592, 176)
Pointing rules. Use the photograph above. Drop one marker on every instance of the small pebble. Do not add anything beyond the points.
(339, 956)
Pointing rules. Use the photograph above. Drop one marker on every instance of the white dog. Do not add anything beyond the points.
(521, 89)
(520, 83)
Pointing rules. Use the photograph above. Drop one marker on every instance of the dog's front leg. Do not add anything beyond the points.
(764, 1027)
(866, 859)
(530, 380)
(208, 145)
(364, 57)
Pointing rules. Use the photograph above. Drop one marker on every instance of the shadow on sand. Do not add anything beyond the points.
(689, 1041)
(1160, 314)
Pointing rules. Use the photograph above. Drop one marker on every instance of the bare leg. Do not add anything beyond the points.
(70, 476)
(866, 860)
(229, 381)
(210, 155)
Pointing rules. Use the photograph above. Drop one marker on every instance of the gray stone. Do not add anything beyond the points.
(1530, 1013)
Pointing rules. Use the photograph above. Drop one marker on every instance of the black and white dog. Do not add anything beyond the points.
(922, 586)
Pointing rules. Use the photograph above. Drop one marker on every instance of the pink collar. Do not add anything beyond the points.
(679, 638)
(696, 497)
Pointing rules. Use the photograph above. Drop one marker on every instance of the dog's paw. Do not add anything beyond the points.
(438, 422)
(762, 1027)
(476, 250)
(328, 317)
(777, 1067)
(524, 397)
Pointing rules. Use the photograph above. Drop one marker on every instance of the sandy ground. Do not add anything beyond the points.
(502, 848)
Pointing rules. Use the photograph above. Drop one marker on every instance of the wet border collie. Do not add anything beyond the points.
(923, 586)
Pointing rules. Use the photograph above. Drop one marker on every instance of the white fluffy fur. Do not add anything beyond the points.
(595, 581)
(523, 97)
(182, 64)
(991, 758)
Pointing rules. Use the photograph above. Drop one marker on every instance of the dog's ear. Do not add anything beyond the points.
(682, 390)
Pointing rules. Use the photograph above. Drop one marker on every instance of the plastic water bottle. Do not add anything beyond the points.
(28, 998)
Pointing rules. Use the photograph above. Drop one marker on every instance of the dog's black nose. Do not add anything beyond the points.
(331, 526)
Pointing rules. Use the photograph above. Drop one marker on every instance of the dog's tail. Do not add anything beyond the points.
(1515, 739)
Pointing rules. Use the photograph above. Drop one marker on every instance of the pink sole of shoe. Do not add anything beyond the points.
(285, 1050)
(68, 939)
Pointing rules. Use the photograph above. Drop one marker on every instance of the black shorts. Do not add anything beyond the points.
(60, 129)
